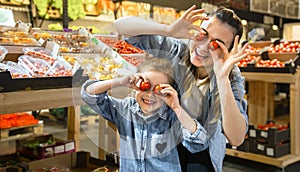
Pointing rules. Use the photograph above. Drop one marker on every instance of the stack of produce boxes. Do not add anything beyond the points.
(268, 139)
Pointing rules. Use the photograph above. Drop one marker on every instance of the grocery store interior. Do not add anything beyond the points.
(42, 107)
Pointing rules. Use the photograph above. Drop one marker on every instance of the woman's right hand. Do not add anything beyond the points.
(181, 28)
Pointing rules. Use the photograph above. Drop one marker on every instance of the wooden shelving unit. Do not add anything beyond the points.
(260, 94)
(21, 101)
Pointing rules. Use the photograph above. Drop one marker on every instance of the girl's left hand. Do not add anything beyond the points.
(223, 65)
(169, 96)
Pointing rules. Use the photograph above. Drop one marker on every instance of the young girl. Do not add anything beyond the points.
(152, 123)
(210, 85)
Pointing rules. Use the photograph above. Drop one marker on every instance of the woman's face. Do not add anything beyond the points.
(148, 101)
(213, 29)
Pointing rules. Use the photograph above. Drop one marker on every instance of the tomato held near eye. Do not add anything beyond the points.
(145, 86)
(157, 90)
(213, 45)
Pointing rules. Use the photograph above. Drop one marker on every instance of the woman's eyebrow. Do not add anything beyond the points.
(214, 39)
(205, 31)
(220, 41)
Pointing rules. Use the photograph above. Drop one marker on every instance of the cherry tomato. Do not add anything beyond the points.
(145, 86)
(157, 90)
(213, 45)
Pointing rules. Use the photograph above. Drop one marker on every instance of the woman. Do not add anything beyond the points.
(210, 84)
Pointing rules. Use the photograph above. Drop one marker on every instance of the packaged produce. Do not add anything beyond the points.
(15, 71)
(35, 66)
(40, 52)
(3, 52)
(60, 68)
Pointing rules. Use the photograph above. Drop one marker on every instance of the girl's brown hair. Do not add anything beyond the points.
(158, 64)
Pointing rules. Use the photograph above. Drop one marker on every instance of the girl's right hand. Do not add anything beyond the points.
(133, 80)
(181, 27)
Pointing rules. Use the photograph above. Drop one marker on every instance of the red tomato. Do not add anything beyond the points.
(157, 90)
(213, 45)
(145, 86)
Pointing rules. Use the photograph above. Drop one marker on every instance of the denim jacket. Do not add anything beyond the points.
(175, 50)
(146, 144)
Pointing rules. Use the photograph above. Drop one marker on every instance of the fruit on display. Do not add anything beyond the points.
(271, 124)
(249, 59)
(99, 67)
(285, 47)
(75, 8)
(270, 63)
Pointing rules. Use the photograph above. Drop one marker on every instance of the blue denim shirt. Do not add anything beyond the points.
(146, 144)
(175, 50)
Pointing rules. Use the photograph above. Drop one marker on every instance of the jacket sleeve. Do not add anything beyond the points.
(105, 105)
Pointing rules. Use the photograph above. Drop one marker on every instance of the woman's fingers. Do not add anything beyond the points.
(186, 13)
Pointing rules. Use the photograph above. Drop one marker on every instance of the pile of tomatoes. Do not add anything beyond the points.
(271, 124)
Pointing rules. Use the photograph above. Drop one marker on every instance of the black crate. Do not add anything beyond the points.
(278, 150)
(256, 147)
(244, 146)
(273, 136)
(8, 84)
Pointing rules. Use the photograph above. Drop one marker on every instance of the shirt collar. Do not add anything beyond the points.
(136, 109)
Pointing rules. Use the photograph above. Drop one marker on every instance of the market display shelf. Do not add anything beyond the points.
(286, 69)
(280, 162)
(9, 84)
(20, 132)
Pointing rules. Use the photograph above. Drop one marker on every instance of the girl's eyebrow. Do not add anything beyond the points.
(214, 39)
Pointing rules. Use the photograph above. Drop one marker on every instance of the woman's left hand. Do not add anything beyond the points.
(223, 65)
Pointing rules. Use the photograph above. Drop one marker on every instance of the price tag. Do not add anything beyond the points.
(264, 134)
(260, 147)
(59, 149)
(7, 17)
(270, 151)
(70, 146)
(252, 133)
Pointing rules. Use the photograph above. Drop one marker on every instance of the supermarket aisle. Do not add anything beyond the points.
(89, 140)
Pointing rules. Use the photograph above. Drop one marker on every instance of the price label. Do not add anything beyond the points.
(7, 17)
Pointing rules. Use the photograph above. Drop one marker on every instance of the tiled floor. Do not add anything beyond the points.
(89, 142)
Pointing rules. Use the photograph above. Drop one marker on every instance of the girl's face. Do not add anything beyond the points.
(213, 29)
(148, 100)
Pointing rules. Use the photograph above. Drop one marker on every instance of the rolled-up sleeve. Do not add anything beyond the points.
(196, 141)
(103, 104)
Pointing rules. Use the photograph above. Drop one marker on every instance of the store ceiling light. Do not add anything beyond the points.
(275, 27)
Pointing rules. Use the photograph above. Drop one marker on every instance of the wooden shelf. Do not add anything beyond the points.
(261, 106)
(278, 162)
(20, 101)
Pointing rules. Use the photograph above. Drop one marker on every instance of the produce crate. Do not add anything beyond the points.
(287, 69)
(273, 136)
(8, 84)
(43, 146)
(278, 150)
(244, 146)
(257, 148)
(17, 132)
